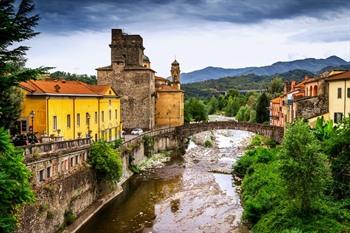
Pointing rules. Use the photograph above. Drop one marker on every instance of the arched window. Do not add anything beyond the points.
(315, 91)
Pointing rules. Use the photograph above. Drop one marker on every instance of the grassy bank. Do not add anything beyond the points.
(294, 187)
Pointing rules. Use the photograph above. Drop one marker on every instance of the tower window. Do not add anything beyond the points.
(339, 93)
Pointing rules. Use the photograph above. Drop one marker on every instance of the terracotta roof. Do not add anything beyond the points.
(341, 76)
(63, 87)
(99, 89)
(160, 78)
(276, 100)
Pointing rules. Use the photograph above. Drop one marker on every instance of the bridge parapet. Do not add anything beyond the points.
(274, 132)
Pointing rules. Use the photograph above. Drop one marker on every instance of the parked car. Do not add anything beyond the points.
(137, 131)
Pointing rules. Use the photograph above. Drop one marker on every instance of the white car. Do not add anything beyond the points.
(137, 131)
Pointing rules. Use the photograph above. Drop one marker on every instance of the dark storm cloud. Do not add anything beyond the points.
(79, 15)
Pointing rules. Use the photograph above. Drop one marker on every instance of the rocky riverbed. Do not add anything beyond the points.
(192, 193)
(207, 200)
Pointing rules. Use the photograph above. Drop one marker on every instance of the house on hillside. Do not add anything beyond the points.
(309, 100)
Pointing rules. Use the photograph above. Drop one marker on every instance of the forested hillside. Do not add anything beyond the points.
(216, 87)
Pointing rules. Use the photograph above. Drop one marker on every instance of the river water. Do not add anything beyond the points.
(191, 193)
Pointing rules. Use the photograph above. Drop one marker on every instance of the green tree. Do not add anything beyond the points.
(90, 79)
(213, 105)
(276, 85)
(105, 161)
(252, 100)
(338, 148)
(187, 112)
(252, 116)
(232, 93)
(232, 106)
(221, 102)
(196, 109)
(15, 26)
(242, 113)
(15, 187)
(303, 167)
(262, 109)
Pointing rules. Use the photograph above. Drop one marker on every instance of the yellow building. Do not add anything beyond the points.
(339, 96)
(169, 100)
(69, 110)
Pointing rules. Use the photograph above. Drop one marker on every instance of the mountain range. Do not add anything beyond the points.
(309, 64)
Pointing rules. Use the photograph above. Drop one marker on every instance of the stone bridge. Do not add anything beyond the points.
(273, 132)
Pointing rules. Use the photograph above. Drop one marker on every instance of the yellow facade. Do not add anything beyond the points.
(169, 108)
(339, 99)
(72, 116)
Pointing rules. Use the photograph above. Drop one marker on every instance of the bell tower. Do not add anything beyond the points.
(175, 73)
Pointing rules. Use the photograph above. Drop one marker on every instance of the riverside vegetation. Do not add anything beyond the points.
(300, 186)
(249, 107)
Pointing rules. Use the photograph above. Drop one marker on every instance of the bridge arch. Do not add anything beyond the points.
(273, 132)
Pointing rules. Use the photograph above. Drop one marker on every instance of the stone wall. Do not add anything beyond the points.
(309, 107)
(75, 193)
(137, 90)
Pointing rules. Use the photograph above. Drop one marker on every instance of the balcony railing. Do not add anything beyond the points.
(50, 147)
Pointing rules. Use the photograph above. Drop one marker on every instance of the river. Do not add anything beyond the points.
(191, 193)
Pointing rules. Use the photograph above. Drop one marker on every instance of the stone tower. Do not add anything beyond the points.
(175, 73)
(131, 79)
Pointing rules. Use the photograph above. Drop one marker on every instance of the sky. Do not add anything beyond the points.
(75, 34)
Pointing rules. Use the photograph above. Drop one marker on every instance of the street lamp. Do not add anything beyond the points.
(32, 115)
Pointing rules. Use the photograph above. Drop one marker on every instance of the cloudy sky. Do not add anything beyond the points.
(227, 33)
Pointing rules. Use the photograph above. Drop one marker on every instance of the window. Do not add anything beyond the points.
(24, 126)
(338, 117)
(72, 162)
(103, 116)
(48, 172)
(348, 92)
(339, 93)
(110, 115)
(41, 175)
(76, 160)
(87, 116)
(54, 122)
(68, 121)
(110, 102)
(110, 134)
(116, 114)
(95, 117)
(78, 119)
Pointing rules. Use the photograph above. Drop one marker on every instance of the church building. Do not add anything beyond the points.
(147, 101)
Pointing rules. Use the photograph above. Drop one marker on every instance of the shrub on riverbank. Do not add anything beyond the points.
(15, 187)
(208, 144)
(105, 161)
(287, 189)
